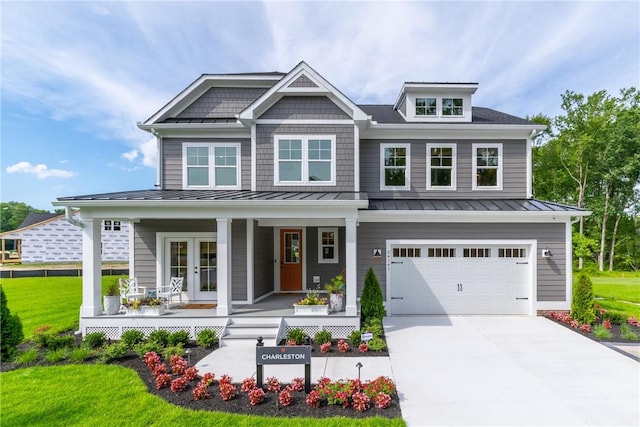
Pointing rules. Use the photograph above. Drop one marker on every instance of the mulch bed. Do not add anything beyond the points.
(615, 332)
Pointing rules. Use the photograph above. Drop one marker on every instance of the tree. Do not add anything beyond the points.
(13, 213)
(582, 307)
(371, 302)
(10, 329)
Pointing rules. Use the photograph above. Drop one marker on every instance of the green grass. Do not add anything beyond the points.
(42, 301)
(97, 395)
(613, 289)
(601, 332)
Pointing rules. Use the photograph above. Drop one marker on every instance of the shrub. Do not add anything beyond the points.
(178, 365)
(585, 328)
(159, 369)
(132, 337)
(322, 337)
(297, 384)
(208, 378)
(113, 352)
(382, 400)
(179, 337)
(360, 402)
(57, 342)
(377, 344)
(297, 335)
(256, 395)
(601, 332)
(248, 384)
(146, 347)
(285, 398)
(56, 355)
(627, 333)
(42, 336)
(28, 356)
(172, 351)
(355, 338)
(160, 337)
(343, 346)
(273, 385)
(633, 321)
(227, 391)
(162, 381)
(225, 379)
(206, 338)
(79, 354)
(607, 324)
(582, 307)
(381, 384)
(94, 340)
(374, 325)
(10, 330)
(179, 384)
(201, 392)
(371, 299)
(313, 399)
(191, 373)
(324, 348)
(613, 316)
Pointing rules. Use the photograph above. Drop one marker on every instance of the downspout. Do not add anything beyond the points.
(155, 133)
(530, 164)
(68, 213)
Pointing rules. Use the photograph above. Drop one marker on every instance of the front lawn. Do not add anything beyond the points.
(42, 301)
(617, 292)
(94, 395)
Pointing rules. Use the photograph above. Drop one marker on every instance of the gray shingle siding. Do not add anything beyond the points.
(344, 157)
(222, 102)
(305, 107)
(514, 175)
(551, 272)
(303, 81)
(172, 160)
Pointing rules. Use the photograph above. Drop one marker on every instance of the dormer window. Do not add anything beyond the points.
(426, 107)
(452, 107)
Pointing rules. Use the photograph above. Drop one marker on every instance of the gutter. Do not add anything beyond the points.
(68, 214)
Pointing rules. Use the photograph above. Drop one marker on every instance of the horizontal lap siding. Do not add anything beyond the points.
(344, 155)
(221, 102)
(172, 160)
(325, 271)
(264, 260)
(551, 272)
(514, 175)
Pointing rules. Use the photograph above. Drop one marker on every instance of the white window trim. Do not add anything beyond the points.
(305, 161)
(442, 114)
(454, 161)
(212, 165)
(335, 258)
(415, 107)
(474, 181)
(407, 183)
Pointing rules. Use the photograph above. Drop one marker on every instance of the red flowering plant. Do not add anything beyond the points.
(201, 392)
(208, 378)
(297, 384)
(273, 385)
(324, 348)
(336, 393)
(323, 381)
(225, 379)
(382, 400)
(159, 369)
(585, 328)
(179, 384)
(178, 364)
(256, 395)
(151, 359)
(313, 399)
(163, 380)
(227, 391)
(291, 342)
(363, 347)
(633, 321)
(343, 346)
(191, 373)
(381, 384)
(360, 402)
(606, 323)
(285, 398)
(248, 384)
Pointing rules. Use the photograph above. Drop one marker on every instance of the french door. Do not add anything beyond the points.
(193, 258)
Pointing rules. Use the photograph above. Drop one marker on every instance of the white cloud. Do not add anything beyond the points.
(40, 171)
(130, 155)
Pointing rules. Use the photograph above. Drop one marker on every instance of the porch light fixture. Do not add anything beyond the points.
(546, 253)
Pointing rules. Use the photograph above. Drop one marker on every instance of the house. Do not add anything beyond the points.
(51, 238)
(272, 183)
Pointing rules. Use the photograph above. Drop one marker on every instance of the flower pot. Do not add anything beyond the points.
(146, 310)
(336, 302)
(111, 304)
(311, 310)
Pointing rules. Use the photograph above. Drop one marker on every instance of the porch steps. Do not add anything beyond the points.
(246, 330)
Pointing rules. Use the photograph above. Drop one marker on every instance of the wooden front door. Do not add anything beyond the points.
(290, 259)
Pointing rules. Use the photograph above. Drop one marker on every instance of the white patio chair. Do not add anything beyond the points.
(129, 289)
(167, 292)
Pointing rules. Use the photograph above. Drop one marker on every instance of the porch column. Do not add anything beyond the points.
(351, 308)
(91, 268)
(224, 266)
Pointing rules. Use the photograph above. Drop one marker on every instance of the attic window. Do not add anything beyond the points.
(452, 107)
(426, 107)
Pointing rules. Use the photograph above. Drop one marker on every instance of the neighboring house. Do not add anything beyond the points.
(278, 181)
(50, 238)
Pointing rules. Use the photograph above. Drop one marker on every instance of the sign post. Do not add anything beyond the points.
(284, 355)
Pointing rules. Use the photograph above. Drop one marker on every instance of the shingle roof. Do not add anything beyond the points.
(385, 114)
(36, 217)
(482, 205)
(199, 120)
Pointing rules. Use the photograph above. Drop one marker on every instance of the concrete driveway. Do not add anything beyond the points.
(508, 370)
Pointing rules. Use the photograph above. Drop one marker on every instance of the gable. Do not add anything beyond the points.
(222, 102)
(305, 107)
(303, 81)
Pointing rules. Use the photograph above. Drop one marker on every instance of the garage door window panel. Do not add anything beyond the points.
(512, 253)
(441, 252)
(476, 252)
(407, 253)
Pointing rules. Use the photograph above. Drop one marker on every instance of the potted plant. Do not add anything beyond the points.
(145, 307)
(111, 299)
(311, 305)
(336, 289)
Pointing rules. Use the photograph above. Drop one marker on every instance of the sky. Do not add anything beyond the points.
(77, 76)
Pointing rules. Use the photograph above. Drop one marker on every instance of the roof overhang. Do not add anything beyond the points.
(449, 131)
(435, 88)
(224, 130)
(469, 216)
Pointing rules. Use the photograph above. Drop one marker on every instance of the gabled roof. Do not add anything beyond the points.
(386, 114)
(286, 86)
(37, 217)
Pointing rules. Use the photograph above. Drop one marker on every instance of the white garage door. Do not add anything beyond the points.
(460, 278)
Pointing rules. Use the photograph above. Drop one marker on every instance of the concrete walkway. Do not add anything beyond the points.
(500, 370)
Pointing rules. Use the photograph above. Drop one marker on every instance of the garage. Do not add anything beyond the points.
(460, 277)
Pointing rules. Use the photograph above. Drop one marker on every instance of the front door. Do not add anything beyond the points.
(195, 260)
(290, 259)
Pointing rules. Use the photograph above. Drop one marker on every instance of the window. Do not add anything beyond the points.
(487, 166)
(441, 252)
(426, 107)
(441, 166)
(394, 167)
(107, 225)
(327, 245)
(110, 225)
(476, 252)
(512, 253)
(452, 107)
(213, 166)
(305, 160)
(407, 252)
(117, 226)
